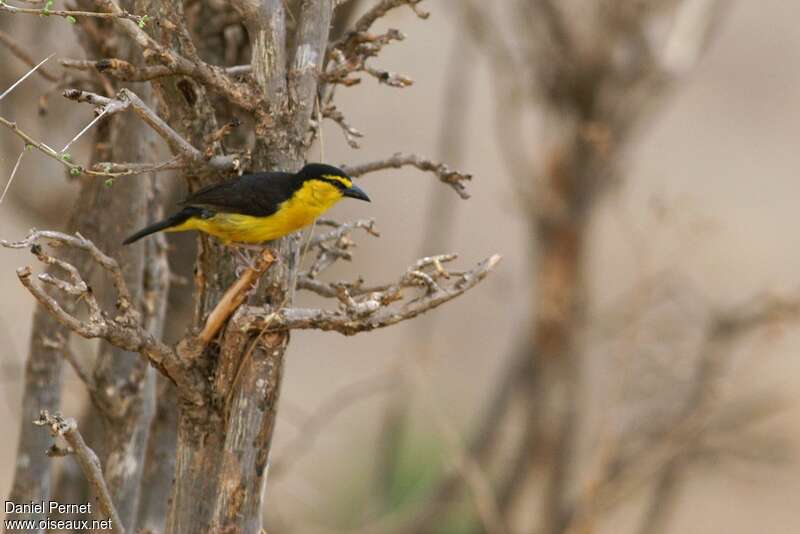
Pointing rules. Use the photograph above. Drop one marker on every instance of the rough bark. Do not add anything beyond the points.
(43, 370)
(32, 477)
(159, 461)
(124, 392)
(223, 448)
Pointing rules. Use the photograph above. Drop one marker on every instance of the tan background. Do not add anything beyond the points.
(710, 196)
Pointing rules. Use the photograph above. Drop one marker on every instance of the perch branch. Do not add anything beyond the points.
(234, 296)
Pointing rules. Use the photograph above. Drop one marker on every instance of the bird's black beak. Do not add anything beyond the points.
(356, 192)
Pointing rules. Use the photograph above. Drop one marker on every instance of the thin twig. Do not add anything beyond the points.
(122, 328)
(126, 98)
(11, 178)
(85, 129)
(25, 76)
(46, 12)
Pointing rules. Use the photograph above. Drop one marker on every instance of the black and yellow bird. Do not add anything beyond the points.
(260, 207)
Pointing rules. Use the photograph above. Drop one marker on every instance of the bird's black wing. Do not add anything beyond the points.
(258, 195)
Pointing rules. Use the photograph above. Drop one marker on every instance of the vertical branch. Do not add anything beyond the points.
(267, 29)
(312, 39)
(125, 381)
(259, 359)
(125, 392)
(44, 365)
(159, 461)
(42, 391)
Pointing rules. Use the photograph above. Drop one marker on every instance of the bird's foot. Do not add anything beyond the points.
(247, 255)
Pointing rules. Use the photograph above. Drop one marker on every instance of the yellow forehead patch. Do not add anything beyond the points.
(341, 179)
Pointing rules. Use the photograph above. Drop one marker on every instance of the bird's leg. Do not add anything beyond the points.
(243, 260)
(248, 261)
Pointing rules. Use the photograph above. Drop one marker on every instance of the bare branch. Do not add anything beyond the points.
(237, 93)
(312, 38)
(123, 330)
(120, 69)
(445, 174)
(90, 465)
(336, 244)
(350, 133)
(74, 169)
(350, 53)
(365, 22)
(234, 296)
(375, 310)
(11, 178)
(116, 170)
(126, 98)
(71, 15)
(352, 58)
(667, 449)
(25, 76)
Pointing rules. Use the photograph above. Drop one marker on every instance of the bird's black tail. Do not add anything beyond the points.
(173, 220)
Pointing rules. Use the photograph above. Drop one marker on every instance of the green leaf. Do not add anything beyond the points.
(66, 156)
(71, 19)
(143, 20)
(75, 171)
(109, 182)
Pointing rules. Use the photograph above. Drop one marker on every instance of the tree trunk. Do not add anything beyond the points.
(223, 447)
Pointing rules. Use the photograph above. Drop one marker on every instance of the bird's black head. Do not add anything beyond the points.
(332, 176)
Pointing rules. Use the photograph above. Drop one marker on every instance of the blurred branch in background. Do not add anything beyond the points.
(439, 227)
(595, 73)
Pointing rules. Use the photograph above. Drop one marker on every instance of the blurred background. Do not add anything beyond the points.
(678, 408)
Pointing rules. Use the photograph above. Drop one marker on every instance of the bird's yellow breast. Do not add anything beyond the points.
(305, 206)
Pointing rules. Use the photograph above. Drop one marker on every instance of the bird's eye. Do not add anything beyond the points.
(339, 182)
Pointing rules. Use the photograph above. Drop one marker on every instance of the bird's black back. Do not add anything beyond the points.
(257, 194)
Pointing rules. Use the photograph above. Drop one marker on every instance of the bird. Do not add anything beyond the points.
(259, 207)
